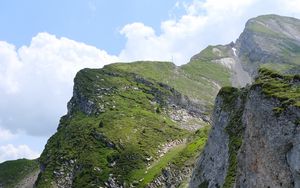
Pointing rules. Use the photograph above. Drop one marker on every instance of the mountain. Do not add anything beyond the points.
(255, 134)
(20, 173)
(144, 124)
(122, 129)
(271, 41)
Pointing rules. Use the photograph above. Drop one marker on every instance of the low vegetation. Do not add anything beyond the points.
(114, 130)
(12, 172)
(196, 79)
(285, 88)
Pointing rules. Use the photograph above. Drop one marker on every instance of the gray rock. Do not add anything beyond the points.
(270, 152)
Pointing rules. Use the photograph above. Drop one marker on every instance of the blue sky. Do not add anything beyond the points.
(94, 22)
(44, 43)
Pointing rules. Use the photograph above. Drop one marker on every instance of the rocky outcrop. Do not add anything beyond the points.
(255, 136)
(269, 156)
(270, 40)
(214, 162)
(171, 177)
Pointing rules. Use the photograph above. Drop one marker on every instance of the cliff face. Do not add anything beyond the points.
(255, 134)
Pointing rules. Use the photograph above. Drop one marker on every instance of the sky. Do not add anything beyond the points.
(44, 43)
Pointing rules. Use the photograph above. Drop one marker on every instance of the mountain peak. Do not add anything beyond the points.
(275, 25)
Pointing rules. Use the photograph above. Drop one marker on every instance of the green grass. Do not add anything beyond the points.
(180, 156)
(282, 87)
(194, 147)
(126, 121)
(277, 67)
(260, 28)
(156, 168)
(208, 54)
(12, 172)
(204, 67)
(193, 79)
(127, 130)
(212, 71)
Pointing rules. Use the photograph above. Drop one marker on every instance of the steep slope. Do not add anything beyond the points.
(218, 63)
(200, 80)
(255, 136)
(20, 173)
(122, 130)
(270, 41)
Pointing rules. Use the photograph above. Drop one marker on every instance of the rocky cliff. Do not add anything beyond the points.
(255, 134)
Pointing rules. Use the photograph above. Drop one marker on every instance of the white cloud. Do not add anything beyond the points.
(292, 6)
(10, 65)
(182, 38)
(204, 23)
(5, 135)
(37, 80)
(11, 152)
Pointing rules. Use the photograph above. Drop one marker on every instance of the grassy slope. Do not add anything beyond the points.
(12, 172)
(133, 124)
(194, 79)
(181, 155)
(203, 67)
(128, 120)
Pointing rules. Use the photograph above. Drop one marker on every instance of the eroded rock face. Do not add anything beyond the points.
(269, 152)
(264, 152)
(293, 159)
(213, 162)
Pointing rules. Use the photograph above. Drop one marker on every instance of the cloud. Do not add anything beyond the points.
(204, 23)
(37, 81)
(10, 65)
(5, 135)
(11, 152)
(293, 6)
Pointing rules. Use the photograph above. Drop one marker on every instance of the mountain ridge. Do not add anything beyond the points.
(143, 124)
